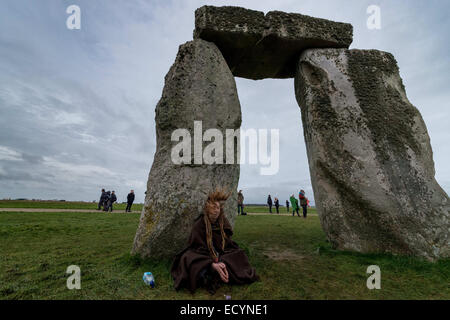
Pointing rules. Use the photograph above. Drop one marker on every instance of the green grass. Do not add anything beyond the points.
(36, 249)
(62, 205)
(265, 209)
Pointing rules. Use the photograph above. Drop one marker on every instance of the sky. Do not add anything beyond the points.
(77, 107)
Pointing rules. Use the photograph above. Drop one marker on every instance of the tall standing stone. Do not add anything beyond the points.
(198, 87)
(370, 157)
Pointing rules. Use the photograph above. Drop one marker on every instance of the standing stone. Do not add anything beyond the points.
(198, 87)
(257, 45)
(370, 157)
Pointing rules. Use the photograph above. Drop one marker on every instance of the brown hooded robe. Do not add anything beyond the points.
(188, 263)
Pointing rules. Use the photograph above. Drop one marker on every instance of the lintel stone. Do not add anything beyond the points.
(257, 45)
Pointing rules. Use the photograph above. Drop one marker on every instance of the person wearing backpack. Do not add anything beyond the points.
(130, 200)
(106, 202)
(101, 202)
(303, 202)
(269, 202)
(111, 200)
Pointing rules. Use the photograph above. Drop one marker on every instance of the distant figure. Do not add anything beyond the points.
(130, 199)
(303, 202)
(111, 200)
(294, 204)
(106, 202)
(269, 202)
(241, 203)
(277, 204)
(101, 202)
(287, 206)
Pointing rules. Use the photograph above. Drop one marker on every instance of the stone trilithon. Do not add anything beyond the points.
(368, 149)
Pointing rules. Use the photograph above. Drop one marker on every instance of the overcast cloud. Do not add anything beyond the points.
(77, 106)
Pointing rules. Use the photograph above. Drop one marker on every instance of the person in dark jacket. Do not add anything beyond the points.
(277, 204)
(269, 202)
(111, 200)
(106, 202)
(241, 203)
(211, 257)
(287, 206)
(101, 202)
(303, 202)
(130, 199)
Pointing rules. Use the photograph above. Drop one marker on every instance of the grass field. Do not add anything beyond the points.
(61, 205)
(289, 253)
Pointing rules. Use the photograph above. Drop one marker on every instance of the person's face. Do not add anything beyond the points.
(214, 212)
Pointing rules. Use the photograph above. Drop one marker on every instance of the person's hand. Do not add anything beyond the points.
(221, 270)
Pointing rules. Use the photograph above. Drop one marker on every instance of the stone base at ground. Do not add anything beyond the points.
(370, 156)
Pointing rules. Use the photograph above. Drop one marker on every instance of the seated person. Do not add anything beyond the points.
(211, 257)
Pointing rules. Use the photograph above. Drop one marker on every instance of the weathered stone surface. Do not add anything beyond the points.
(258, 46)
(198, 86)
(370, 156)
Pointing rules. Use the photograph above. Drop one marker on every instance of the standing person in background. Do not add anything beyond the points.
(101, 202)
(112, 199)
(294, 204)
(269, 202)
(130, 199)
(240, 203)
(106, 202)
(287, 206)
(303, 202)
(277, 204)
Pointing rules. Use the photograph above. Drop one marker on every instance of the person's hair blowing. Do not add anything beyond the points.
(219, 195)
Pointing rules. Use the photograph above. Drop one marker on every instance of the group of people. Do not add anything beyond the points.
(276, 203)
(296, 204)
(304, 203)
(107, 198)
